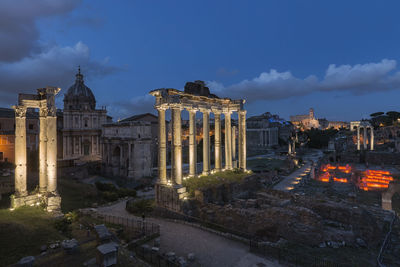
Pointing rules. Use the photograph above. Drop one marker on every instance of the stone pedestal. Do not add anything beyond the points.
(53, 202)
(170, 197)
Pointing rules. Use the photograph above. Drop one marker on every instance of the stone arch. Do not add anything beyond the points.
(388, 195)
(116, 160)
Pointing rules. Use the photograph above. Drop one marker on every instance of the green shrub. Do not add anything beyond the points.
(126, 192)
(105, 186)
(110, 196)
(140, 206)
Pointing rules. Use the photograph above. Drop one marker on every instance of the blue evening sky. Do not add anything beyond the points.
(165, 43)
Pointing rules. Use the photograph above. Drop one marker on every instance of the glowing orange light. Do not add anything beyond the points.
(340, 180)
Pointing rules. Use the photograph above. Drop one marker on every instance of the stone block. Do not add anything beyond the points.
(70, 246)
(53, 203)
(181, 190)
(26, 261)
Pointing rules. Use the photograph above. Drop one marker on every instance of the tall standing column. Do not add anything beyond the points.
(217, 137)
(206, 142)
(365, 136)
(177, 145)
(372, 138)
(130, 160)
(358, 137)
(228, 139)
(234, 162)
(43, 150)
(192, 143)
(162, 147)
(51, 122)
(20, 151)
(242, 140)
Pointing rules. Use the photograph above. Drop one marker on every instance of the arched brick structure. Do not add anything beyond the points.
(388, 194)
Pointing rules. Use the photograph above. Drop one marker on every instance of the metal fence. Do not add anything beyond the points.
(135, 228)
(291, 257)
(153, 258)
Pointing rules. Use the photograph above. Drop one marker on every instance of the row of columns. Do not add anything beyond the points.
(176, 160)
(47, 152)
(365, 136)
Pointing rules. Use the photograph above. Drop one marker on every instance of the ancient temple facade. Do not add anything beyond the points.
(195, 98)
(82, 123)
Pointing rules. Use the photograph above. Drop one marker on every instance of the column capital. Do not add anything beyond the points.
(20, 111)
(216, 111)
(242, 111)
(205, 110)
(227, 112)
(161, 108)
(192, 109)
(179, 107)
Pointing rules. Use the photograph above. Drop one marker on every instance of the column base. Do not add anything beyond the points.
(51, 201)
(170, 197)
(205, 173)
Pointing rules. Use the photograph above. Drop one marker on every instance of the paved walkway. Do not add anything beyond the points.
(210, 249)
(294, 178)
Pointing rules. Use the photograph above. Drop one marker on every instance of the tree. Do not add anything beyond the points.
(376, 114)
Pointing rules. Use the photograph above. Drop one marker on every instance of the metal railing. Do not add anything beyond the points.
(386, 241)
(135, 228)
(153, 257)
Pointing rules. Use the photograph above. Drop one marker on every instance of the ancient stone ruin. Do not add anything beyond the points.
(196, 97)
(44, 100)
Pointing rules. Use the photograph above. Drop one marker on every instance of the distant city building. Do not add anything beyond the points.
(82, 123)
(7, 133)
(305, 122)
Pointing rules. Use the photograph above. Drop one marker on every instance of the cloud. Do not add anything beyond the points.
(125, 108)
(55, 66)
(18, 31)
(273, 85)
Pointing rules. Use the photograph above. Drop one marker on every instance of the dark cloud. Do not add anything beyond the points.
(273, 85)
(18, 31)
(54, 67)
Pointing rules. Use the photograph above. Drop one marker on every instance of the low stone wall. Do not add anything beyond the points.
(273, 215)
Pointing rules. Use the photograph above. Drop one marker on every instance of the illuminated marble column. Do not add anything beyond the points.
(192, 143)
(51, 122)
(206, 141)
(242, 140)
(365, 136)
(358, 137)
(43, 150)
(228, 139)
(372, 138)
(177, 145)
(234, 159)
(162, 147)
(20, 151)
(217, 137)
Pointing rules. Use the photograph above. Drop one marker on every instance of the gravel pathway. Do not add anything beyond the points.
(210, 249)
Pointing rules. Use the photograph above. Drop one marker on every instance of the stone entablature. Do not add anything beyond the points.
(44, 100)
(199, 99)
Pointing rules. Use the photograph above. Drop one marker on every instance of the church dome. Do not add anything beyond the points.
(79, 96)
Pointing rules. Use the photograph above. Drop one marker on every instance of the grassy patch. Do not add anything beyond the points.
(23, 231)
(75, 195)
(213, 180)
(140, 207)
(269, 164)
